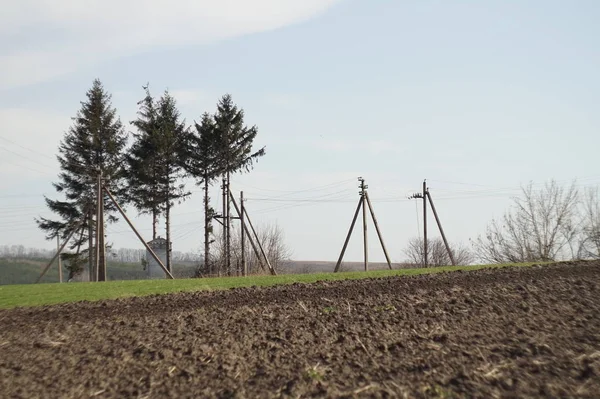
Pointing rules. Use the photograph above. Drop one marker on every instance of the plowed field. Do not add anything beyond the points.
(514, 332)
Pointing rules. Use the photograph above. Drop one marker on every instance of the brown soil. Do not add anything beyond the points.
(519, 332)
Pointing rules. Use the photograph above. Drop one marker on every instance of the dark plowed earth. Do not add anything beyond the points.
(519, 332)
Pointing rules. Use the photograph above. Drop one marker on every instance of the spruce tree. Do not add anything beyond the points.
(234, 154)
(156, 162)
(173, 141)
(143, 162)
(202, 164)
(94, 143)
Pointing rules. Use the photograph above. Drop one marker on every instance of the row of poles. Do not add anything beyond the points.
(247, 232)
(365, 202)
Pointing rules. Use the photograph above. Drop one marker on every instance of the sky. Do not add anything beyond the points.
(479, 98)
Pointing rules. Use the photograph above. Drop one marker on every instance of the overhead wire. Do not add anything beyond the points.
(27, 148)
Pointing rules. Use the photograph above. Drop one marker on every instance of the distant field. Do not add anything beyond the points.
(48, 294)
(26, 271)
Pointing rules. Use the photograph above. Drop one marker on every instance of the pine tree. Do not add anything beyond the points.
(202, 164)
(143, 162)
(235, 154)
(156, 161)
(94, 143)
(173, 142)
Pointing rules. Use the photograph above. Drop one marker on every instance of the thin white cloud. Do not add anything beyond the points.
(50, 38)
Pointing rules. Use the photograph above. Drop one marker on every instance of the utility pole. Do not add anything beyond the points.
(100, 247)
(223, 260)
(425, 195)
(425, 223)
(385, 252)
(243, 234)
(362, 193)
(437, 219)
(60, 271)
(90, 229)
(363, 202)
(228, 225)
(258, 243)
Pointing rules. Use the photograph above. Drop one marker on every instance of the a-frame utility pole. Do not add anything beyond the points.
(363, 202)
(262, 256)
(427, 196)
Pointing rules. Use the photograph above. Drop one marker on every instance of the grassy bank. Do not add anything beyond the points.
(49, 294)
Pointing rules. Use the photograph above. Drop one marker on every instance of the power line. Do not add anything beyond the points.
(19, 165)
(26, 148)
(25, 157)
(289, 193)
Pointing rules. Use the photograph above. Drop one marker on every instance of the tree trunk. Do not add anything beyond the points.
(154, 222)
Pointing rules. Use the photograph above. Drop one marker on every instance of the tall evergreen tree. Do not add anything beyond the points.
(94, 143)
(156, 161)
(173, 141)
(202, 164)
(235, 154)
(143, 162)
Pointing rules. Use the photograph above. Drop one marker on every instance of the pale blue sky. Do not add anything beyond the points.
(492, 93)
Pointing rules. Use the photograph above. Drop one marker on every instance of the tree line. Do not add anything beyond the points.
(145, 172)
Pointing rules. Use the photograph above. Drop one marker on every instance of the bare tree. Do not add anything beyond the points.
(589, 245)
(437, 255)
(541, 226)
(272, 239)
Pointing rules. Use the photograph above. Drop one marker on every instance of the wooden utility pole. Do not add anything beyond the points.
(243, 234)
(363, 187)
(425, 196)
(437, 219)
(152, 253)
(207, 220)
(252, 243)
(91, 272)
(100, 246)
(168, 233)
(223, 261)
(60, 271)
(228, 226)
(387, 257)
(425, 246)
(363, 202)
(262, 250)
(339, 262)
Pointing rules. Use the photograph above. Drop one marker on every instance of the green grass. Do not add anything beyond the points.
(48, 294)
